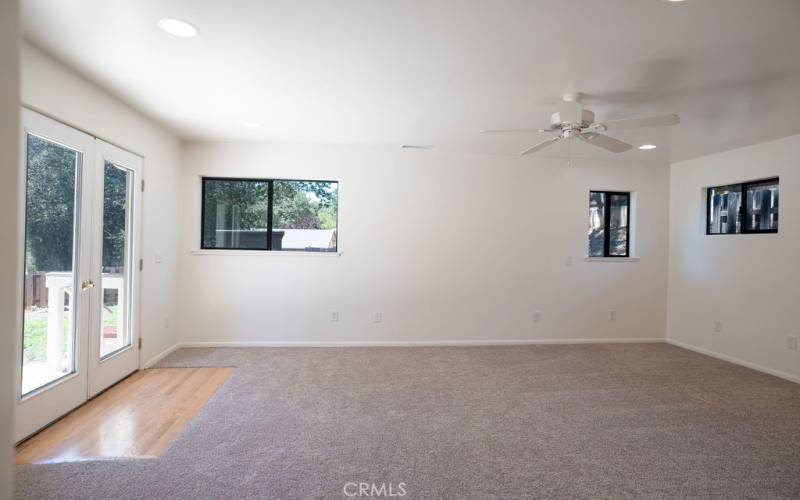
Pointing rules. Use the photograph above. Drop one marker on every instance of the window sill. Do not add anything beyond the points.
(611, 259)
(263, 253)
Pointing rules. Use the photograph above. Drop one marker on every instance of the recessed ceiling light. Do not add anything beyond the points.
(646, 147)
(251, 124)
(177, 27)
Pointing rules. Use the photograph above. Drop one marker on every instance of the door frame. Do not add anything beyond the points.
(37, 410)
(106, 371)
(76, 388)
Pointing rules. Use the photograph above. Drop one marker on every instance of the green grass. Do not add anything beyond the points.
(35, 336)
(35, 333)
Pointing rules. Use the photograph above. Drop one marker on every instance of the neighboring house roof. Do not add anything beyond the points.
(292, 238)
(307, 238)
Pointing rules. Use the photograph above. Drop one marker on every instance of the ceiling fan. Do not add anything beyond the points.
(581, 124)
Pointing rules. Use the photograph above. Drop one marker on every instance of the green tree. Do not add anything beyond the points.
(51, 177)
(49, 206)
(115, 197)
(233, 205)
(305, 205)
(328, 213)
(292, 208)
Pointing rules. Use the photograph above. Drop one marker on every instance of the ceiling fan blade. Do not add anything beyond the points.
(647, 121)
(605, 142)
(515, 130)
(541, 145)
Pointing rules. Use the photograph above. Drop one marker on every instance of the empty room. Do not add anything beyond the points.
(421, 249)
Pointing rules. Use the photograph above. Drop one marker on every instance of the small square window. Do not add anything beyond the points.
(750, 207)
(609, 224)
(304, 215)
(761, 207)
(724, 207)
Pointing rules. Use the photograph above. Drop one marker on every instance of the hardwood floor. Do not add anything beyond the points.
(137, 418)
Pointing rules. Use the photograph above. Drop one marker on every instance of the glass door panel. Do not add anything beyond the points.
(116, 249)
(50, 282)
(116, 259)
(618, 225)
(82, 224)
(56, 172)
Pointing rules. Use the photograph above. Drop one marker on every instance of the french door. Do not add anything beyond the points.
(81, 230)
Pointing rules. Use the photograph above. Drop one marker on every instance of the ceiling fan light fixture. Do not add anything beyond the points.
(177, 27)
(580, 124)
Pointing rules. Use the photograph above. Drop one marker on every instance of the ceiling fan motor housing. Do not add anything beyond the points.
(562, 121)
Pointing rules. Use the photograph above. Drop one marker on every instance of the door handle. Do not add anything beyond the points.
(87, 284)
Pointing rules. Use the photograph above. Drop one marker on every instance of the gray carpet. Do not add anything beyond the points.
(582, 421)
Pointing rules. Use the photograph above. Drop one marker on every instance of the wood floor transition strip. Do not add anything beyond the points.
(138, 418)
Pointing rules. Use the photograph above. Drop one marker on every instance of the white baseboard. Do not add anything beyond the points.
(736, 361)
(417, 343)
(163, 354)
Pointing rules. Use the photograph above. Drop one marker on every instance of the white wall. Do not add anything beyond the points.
(749, 282)
(50, 87)
(10, 271)
(448, 247)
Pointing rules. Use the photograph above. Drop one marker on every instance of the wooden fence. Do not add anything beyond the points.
(35, 291)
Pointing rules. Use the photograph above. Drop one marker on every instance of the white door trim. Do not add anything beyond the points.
(40, 407)
(114, 367)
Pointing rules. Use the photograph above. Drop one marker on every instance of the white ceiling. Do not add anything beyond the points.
(440, 71)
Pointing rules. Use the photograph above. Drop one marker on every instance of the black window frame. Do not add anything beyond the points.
(607, 224)
(270, 202)
(743, 186)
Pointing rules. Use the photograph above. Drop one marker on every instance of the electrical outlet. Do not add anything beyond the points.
(379, 317)
(718, 326)
(568, 262)
(791, 342)
(612, 315)
(166, 322)
(334, 316)
(537, 316)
